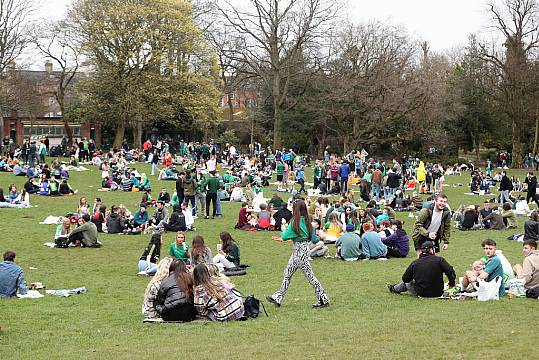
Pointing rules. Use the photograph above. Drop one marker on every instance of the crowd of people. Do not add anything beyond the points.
(323, 217)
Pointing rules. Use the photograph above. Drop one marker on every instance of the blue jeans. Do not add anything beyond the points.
(150, 268)
(191, 198)
(389, 192)
(375, 190)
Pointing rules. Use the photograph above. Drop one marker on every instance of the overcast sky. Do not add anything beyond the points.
(444, 24)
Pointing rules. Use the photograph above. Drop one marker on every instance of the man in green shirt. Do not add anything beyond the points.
(318, 173)
(211, 185)
(493, 268)
(280, 172)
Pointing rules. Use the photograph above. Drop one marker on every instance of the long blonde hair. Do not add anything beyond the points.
(163, 269)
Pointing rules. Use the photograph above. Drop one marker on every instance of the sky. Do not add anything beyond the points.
(444, 24)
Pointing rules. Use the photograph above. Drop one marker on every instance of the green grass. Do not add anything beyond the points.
(364, 320)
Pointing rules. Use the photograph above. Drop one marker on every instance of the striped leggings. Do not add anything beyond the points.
(300, 259)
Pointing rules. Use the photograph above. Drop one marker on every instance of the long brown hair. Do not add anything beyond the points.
(184, 281)
(199, 249)
(227, 240)
(202, 277)
(299, 211)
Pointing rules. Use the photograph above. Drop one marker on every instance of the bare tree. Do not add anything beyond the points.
(277, 34)
(57, 42)
(14, 38)
(517, 21)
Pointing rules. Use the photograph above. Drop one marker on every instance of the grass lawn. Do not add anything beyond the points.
(364, 320)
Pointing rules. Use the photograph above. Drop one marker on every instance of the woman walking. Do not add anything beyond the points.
(300, 231)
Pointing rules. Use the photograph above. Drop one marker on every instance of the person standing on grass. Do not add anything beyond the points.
(11, 277)
(211, 185)
(506, 186)
(531, 181)
(300, 231)
(433, 224)
(425, 276)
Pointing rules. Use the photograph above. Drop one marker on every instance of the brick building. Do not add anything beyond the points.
(20, 125)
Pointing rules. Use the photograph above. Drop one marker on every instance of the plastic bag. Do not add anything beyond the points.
(516, 287)
(506, 265)
(489, 290)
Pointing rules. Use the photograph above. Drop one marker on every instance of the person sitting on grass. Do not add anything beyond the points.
(164, 196)
(477, 267)
(509, 216)
(174, 300)
(529, 270)
(115, 223)
(30, 187)
(65, 189)
(333, 228)
(494, 221)
(62, 230)
(424, 276)
(398, 244)
(150, 295)
(212, 298)
(86, 234)
(180, 249)
(141, 217)
(493, 268)
(229, 254)
(372, 246)
(147, 264)
(243, 222)
(44, 188)
(176, 221)
(349, 244)
(264, 218)
(11, 277)
(531, 227)
(317, 247)
(201, 254)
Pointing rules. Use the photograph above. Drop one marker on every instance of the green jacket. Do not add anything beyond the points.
(212, 184)
(421, 234)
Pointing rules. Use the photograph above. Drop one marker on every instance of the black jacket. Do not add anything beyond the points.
(170, 297)
(532, 184)
(506, 184)
(427, 272)
(531, 230)
(176, 222)
(393, 180)
(115, 224)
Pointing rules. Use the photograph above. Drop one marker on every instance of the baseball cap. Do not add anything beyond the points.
(350, 227)
(428, 245)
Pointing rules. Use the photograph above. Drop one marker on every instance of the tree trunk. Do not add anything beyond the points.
(137, 135)
(322, 143)
(517, 147)
(536, 130)
(230, 107)
(120, 132)
(97, 135)
(277, 116)
(68, 130)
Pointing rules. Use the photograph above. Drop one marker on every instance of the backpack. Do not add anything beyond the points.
(252, 307)
(531, 293)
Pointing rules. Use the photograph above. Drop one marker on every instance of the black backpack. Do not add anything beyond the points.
(252, 307)
(533, 293)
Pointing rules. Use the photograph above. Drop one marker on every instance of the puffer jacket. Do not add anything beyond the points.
(169, 296)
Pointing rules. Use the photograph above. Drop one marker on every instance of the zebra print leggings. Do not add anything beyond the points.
(300, 259)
